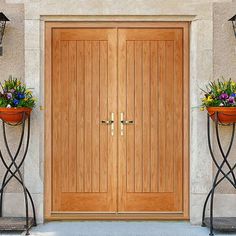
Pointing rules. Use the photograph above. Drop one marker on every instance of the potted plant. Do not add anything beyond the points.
(220, 99)
(16, 101)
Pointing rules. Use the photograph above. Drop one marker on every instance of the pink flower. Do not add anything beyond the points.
(231, 100)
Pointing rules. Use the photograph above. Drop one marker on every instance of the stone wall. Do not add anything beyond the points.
(12, 63)
(224, 65)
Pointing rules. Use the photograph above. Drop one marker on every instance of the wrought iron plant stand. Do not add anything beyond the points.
(226, 169)
(13, 171)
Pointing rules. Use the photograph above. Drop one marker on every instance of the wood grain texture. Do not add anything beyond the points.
(80, 117)
(138, 107)
(148, 80)
(95, 116)
(130, 133)
(72, 116)
(186, 122)
(105, 190)
(56, 133)
(47, 124)
(83, 148)
(162, 109)
(154, 161)
(104, 134)
(170, 117)
(146, 113)
(178, 133)
(64, 109)
(88, 116)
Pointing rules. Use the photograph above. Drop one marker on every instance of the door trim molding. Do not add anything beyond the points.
(48, 214)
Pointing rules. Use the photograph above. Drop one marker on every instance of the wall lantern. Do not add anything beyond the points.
(3, 20)
(233, 19)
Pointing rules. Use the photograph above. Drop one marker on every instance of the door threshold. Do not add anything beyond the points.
(116, 216)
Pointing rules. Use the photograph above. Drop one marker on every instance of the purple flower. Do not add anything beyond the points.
(21, 95)
(16, 102)
(9, 96)
(233, 95)
(12, 90)
(231, 100)
(223, 96)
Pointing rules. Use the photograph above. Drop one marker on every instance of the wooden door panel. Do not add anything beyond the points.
(146, 84)
(83, 88)
(150, 93)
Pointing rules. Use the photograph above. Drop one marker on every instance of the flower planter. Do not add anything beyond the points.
(226, 115)
(14, 115)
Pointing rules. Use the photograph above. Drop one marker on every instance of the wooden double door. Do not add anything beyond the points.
(117, 120)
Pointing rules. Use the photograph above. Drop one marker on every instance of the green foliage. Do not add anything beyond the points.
(15, 94)
(219, 93)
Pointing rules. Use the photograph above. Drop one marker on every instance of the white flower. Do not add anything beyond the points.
(8, 106)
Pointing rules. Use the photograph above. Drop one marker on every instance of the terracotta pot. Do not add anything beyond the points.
(226, 115)
(14, 115)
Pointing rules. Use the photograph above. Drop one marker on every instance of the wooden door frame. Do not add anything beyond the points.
(48, 214)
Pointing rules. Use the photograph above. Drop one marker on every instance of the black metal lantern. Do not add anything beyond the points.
(3, 20)
(233, 20)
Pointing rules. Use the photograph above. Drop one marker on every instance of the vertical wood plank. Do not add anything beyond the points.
(138, 117)
(56, 131)
(64, 106)
(169, 115)
(122, 103)
(154, 117)
(104, 116)
(95, 117)
(162, 115)
(130, 115)
(80, 115)
(112, 107)
(72, 119)
(186, 108)
(146, 117)
(48, 134)
(88, 116)
(178, 111)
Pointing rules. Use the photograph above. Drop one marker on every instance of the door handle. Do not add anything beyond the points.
(110, 122)
(124, 122)
(127, 122)
(107, 122)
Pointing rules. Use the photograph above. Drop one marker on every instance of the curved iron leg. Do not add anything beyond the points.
(6, 179)
(212, 203)
(20, 176)
(9, 167)
(216, 182)
(217, 165)
(228, 151)
(209, 194)
(13, 174)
